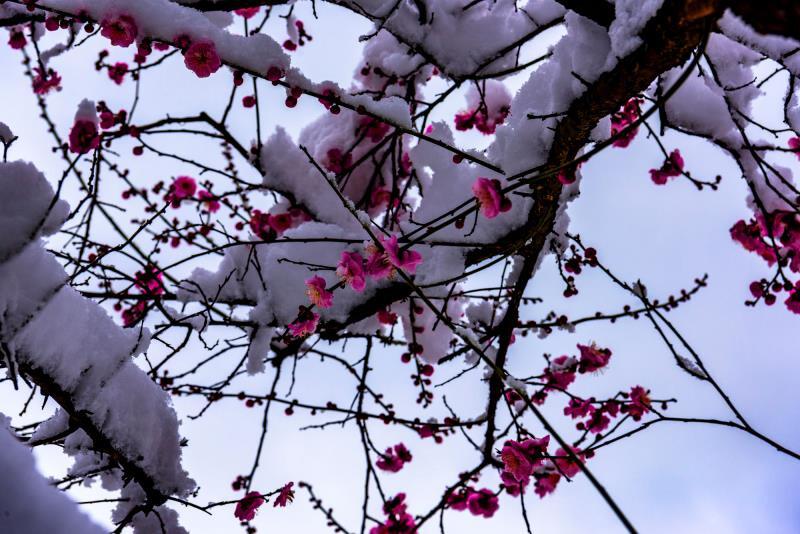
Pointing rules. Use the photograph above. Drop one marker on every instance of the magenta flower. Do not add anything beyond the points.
(149, 281)
(579, 408)
(394, 460)
(622, 119)
(351, 270)
(247, 12)
(317, 294)
(483, 502)
(202, 59)
(260, 225)
(16, 39)
(121, 31)
(305, 325)
(490, 197)
(337, 161)
(546, 483)
(565, 464)
(750, 237)
(671, 168)
(117, 72)
(46, 81)
(639, 404)
(210, 202)
(280, 222)
(407, 260)
(794, 144)
(515, 461)
(182, 187)
(378, 265)
(285, 496)
(398, 520)
(247, 506)
(793, 301)
(83, 137)
(561, 372)
(593, 358)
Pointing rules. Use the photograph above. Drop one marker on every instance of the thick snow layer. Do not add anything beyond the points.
(50, 327)
(460, 40)
(28, 503)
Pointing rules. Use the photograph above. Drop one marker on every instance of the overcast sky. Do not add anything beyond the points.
(671, 478)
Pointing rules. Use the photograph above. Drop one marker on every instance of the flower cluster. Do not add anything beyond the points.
(482, 502)
(398, 520)
(488, 107)
(671, 168)
(775, 238)
(394, 459)
(622, 119)
(148, 282)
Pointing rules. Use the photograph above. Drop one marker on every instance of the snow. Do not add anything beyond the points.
(28, 503)
(49, 327)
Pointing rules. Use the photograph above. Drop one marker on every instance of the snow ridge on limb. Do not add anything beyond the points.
(73, 350)
(24, 494)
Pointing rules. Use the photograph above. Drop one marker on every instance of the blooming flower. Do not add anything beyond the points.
(515, 461)
(639, 404)
(351, 270)
(458, 500)
(317, 294)
(546, 483)
(285, 496)
(579, 408)
(247, 12)
(387, 317)
(490, 197)
(565, 464)
(247, 506)
(407, 260)
(561, 372)
(672, 167)
(280, 222)
(121, 31)
(622, 119)
(305, 325)
(260, 225)
(202, 59)
(149, 281)
(794, 144)
(394, 460)
(513, 486)
(182, 187)
(46, 81)
(16, 39)
(374, 129)
(338, 162)
(398, 520)
(793, 301)
(117, 72)
(210, 202)
(483, 502)
(83, 137)
(593, 358)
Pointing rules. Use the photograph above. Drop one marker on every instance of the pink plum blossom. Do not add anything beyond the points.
(202, 59)
(671, 168)
(121, 31)
(317, 294)
(247, 506)
(490, 197)
(351, 270)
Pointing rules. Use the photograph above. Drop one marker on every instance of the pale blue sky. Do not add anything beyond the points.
(679, 478)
